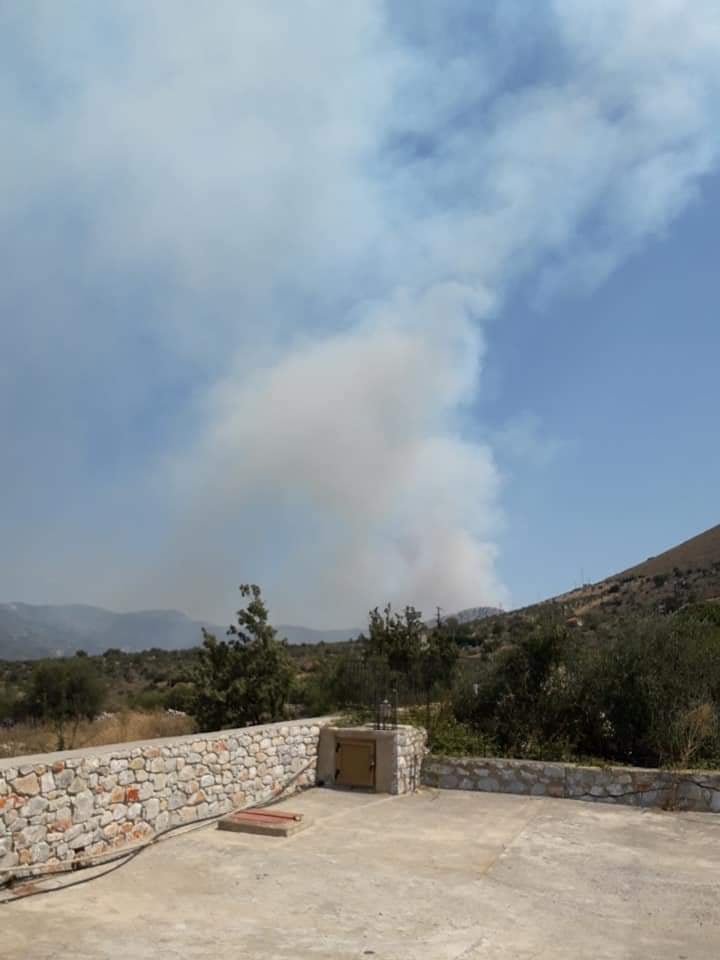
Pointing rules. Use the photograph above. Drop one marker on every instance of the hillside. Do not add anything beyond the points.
(686, 573)
(475, 613)
(699, 553)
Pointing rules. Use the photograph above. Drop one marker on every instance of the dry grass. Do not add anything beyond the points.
(122, 727)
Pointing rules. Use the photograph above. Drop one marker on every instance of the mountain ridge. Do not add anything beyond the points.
(32, 631)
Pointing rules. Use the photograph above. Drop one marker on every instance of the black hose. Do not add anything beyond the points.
(126, 857)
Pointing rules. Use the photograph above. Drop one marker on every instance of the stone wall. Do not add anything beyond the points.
(410, 751)
(76, 804)
(682, 790)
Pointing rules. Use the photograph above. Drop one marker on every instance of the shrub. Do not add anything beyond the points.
(449, 736)
(62, 693)
(645, 692)
(525, 699)
(180, 697)
(148, 699)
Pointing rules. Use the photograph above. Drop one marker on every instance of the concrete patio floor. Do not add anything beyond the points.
(437, 875)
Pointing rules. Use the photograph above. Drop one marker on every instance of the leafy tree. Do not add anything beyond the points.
(526, 696)
(336, 681)
(64, 692)
(395, 638)
(463, 634)
(438, 660)
(245, 679)
(637, 690)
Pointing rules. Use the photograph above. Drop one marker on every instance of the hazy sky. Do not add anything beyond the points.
(359, 301)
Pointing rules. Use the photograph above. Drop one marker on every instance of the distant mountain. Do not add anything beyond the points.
(295, 634)
(23, 637)
(29, 631)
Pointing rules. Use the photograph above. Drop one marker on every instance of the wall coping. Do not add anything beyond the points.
(360, 730)
(106, 749)
(619, 768)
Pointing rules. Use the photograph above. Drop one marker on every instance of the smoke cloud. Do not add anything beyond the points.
(308, 220)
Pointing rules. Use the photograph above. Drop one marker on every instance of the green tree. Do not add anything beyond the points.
(637, 690)
(64, 692)
(245, 679)
(394, 638)
(336, 681)
(438, 660)
(526, 696)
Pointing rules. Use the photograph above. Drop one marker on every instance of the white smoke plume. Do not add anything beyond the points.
(338, 199)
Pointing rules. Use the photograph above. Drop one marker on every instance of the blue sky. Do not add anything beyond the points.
(626, 392)
(396, 301)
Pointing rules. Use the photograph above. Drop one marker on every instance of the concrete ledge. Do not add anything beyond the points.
(696, 790)
(264, 826)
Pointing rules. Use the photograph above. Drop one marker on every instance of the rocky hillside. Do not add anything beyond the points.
(687, 573)
(684, 574)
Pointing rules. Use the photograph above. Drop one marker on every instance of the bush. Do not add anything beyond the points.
(705, 612)
(332, 685)
(525, 700)
(448, 736)
(62, 693)
(647, 695)
(148, 699)
(180, 697)
(9, 706)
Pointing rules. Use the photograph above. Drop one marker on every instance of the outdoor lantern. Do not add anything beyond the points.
(385, 713)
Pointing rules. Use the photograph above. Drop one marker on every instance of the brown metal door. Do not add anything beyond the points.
(355, 763)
